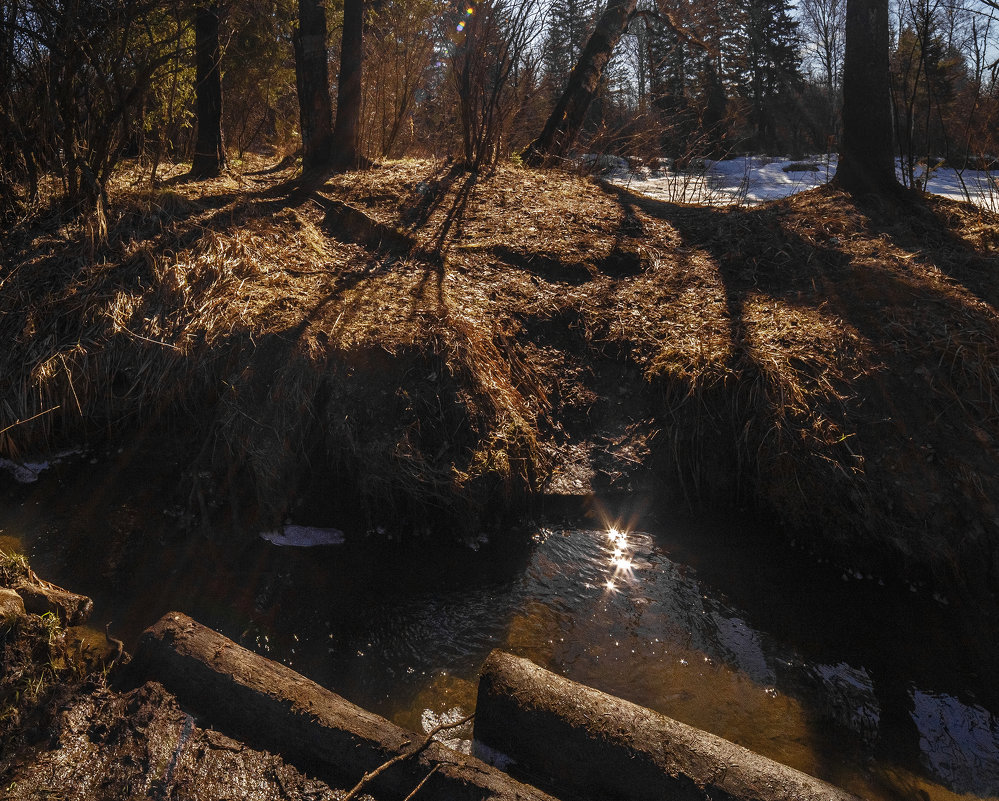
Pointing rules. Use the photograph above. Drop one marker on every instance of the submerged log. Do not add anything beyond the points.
(270, 706)
(592, 745)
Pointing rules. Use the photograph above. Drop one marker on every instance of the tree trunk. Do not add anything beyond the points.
(867, 161)
(347, 131)
(313, 79)
(209, 151)
(586, 743)
(567, 117)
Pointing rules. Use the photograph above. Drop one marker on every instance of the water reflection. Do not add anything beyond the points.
(612, 609)
(838, 679)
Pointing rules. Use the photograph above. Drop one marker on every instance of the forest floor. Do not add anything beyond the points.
(448, 347)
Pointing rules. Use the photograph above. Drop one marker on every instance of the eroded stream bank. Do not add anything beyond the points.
(860, 681)
(418, 348)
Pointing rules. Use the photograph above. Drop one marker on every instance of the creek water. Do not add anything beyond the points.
(860, 681)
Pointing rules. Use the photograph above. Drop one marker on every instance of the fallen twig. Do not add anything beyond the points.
(423, 781)
(367, 778)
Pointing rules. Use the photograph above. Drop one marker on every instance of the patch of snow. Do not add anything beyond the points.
(457, 738)
(959, 743)
(28, 472)
(740, 180)
(754, 179)
(304, 536)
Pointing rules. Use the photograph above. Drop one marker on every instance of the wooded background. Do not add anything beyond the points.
(87, 83)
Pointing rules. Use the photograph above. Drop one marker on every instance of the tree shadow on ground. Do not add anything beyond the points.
(903, 409)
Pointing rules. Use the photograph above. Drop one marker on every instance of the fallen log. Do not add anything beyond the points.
(41, 597)
(270, 706)
(584, 743)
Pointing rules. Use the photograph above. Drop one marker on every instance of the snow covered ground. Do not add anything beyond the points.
(754, 179)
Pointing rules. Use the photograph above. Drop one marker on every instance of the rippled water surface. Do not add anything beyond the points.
(708, 621)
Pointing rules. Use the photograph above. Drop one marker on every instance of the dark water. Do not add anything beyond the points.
(864, 683)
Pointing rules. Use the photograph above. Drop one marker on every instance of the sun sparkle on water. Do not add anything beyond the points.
(620, 561)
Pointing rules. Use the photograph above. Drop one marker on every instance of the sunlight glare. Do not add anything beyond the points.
(622, 564)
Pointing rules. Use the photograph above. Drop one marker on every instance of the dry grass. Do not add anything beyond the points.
(440, 341)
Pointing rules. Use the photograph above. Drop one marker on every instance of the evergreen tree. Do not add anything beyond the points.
(770, 65)
(569, 25)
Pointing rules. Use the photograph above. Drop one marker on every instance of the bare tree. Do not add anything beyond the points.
(567, 117)
(400, 52)
(823, 24)
(497, 39)
(77, 75)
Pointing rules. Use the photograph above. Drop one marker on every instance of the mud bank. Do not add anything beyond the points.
(445, 348)
(64, 732)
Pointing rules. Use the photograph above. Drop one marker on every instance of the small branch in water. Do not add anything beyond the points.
(367, 778)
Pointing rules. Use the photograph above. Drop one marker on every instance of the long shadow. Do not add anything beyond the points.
(803, 273)
(826, 279)
(431, 194)
(924, 222)
(435, 255)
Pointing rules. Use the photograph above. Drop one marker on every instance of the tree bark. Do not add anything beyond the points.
(867, 160)
(209, 151)
(271, 707)
(347, 131)
(567, 117)
(313, 80)
(581, 742)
